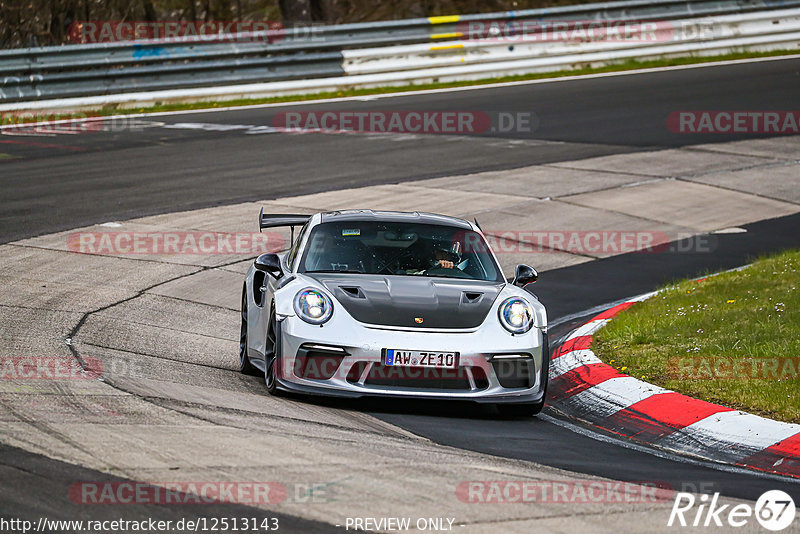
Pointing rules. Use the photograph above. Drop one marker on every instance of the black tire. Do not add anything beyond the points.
(245, 366)
(520, 410)
(272, 355)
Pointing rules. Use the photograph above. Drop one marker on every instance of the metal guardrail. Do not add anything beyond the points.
(728, 31)
(350, 50)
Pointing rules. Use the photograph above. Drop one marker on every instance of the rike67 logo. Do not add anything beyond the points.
(774, 510)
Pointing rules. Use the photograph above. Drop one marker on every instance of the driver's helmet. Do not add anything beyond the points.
(452, 250)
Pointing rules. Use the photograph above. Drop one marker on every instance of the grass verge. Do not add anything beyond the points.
(732, 339)
(630, 65)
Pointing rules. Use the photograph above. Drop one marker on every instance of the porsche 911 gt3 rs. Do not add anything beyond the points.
(378, 303)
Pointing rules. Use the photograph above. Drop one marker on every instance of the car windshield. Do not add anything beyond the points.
(399, 248)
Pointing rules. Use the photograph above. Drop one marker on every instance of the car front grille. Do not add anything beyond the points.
(417, 377)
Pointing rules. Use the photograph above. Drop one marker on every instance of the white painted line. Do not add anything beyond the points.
(643, 296)
(572, 360)
(611, 396)
(588, 329)
(591, 312)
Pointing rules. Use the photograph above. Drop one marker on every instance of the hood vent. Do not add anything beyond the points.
(412, 301)
(352, 292)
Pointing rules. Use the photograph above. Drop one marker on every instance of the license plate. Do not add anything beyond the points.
(417, 358)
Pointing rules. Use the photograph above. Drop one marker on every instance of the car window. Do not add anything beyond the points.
(296, 245)
(399, 248)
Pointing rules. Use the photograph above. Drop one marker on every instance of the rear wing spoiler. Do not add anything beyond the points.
(274, 220)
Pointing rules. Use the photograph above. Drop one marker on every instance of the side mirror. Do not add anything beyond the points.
(525, 275)
(269, 263)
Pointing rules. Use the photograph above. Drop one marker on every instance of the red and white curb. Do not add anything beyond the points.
(585, 388)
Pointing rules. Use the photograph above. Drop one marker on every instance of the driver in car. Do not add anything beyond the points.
(439, 255)
(443, 258)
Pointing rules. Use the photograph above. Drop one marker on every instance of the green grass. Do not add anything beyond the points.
(116, 109)
(705, 338)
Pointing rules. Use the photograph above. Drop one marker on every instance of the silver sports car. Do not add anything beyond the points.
(393, 304)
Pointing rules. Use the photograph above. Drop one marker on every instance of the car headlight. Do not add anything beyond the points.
(516, 315)
(313, 306)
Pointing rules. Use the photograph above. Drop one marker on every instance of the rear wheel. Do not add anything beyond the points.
(244, 362)
(272, 363)
(520, 410)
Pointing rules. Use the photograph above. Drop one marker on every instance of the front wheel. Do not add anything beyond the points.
(520, 410)
(244, 362)
(272, 363)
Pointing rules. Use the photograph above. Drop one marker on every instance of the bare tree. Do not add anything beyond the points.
(25, 23)
(295, 10)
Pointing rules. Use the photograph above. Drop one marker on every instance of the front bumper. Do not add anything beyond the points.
(346, 360)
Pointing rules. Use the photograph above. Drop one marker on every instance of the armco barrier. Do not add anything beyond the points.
(393, 52)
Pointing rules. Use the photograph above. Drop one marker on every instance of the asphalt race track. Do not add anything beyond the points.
(178, 162)
(67, 181)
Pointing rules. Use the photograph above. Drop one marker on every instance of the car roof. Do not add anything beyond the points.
(394, 216)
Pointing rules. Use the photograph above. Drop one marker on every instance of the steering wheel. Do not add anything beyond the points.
(454, 272)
